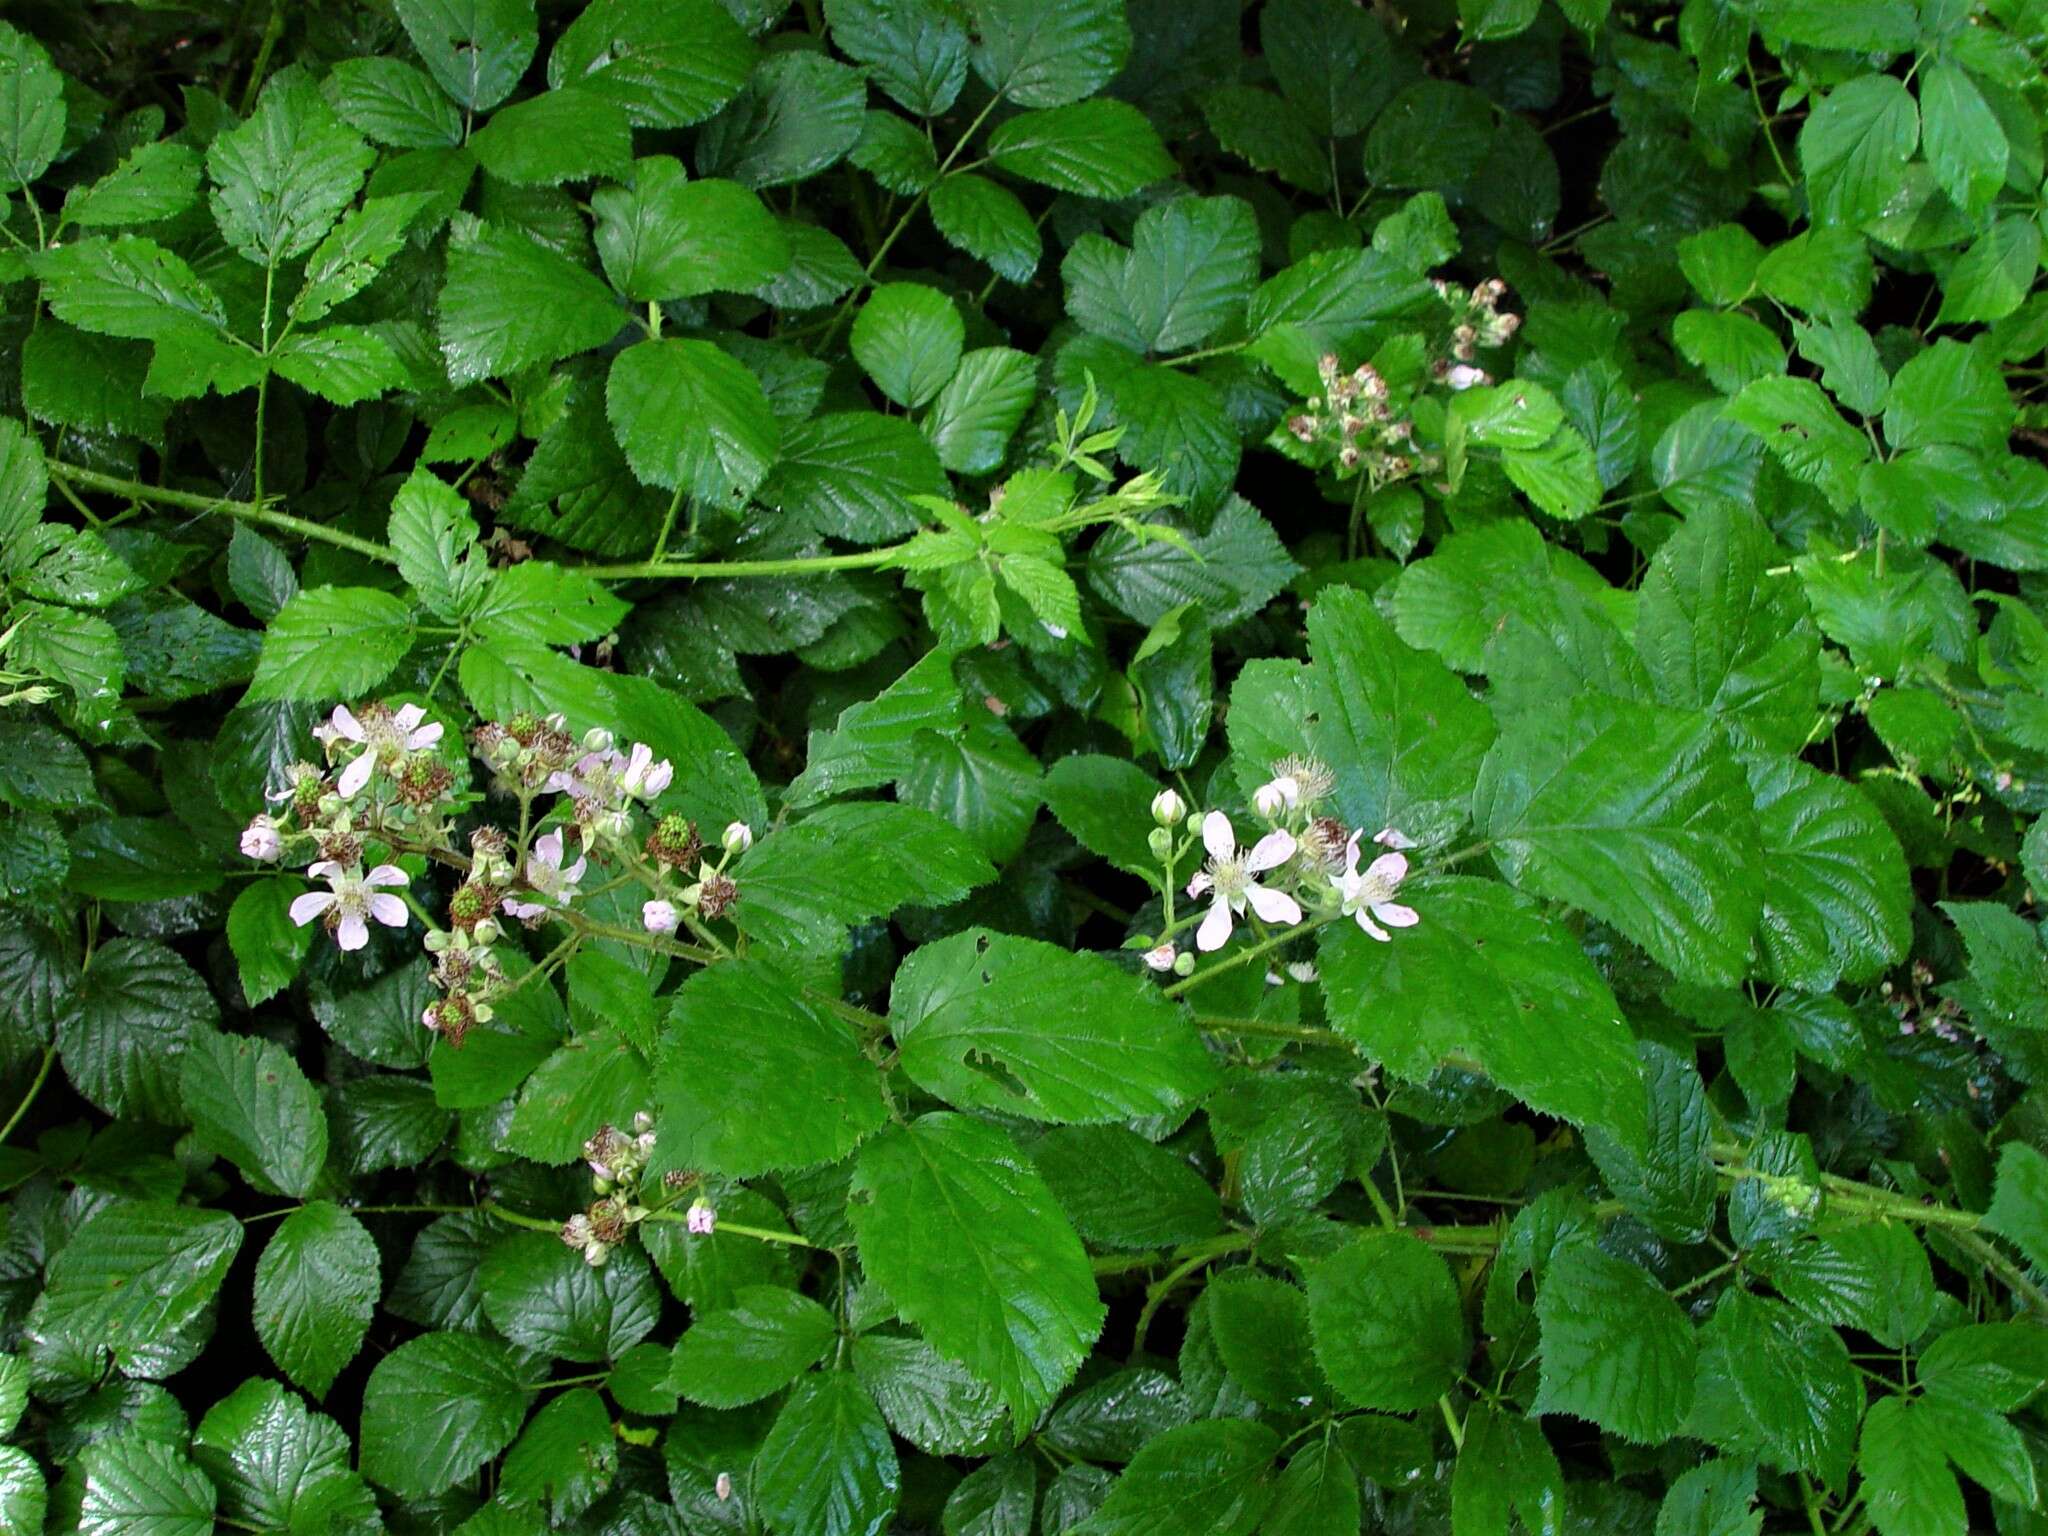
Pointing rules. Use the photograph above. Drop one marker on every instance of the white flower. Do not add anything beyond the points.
(1391, 837)
(1463, 376)
(1277, 795)
(383, 737)
(644, 778)
(547, 879)
(352, 898)
(659, 916)
(1229, 876)
(1369, 894)
(722, 1486)
(738, 838)
(1162, 958)
(701, 1218)
(1168, 809)
(261, 841)
(1303, 971)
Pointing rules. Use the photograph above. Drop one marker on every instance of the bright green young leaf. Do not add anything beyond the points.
(907, 338)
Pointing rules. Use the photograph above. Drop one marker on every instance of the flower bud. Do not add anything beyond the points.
(1162, 958)
(1168, 809)
(702, 1219)
(262, 842)
(436, 941)
(487, 931)
(1276, 796)
(738, 838)
(1160, 842)
(1463, 376)
(1184, 964)
(659, 916)
(597, 739)
(722, 1486)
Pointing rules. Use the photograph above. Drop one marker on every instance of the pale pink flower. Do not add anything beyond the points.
(1230, 877)
(262, 842)
(644, 778)
(1463, 376)
(701, 1219)
(1391, 837)
(383, 738)
(352, 898)
(1369, 893)
(1162, 958)
(1277, 795)
(659, 916)
(546, 879)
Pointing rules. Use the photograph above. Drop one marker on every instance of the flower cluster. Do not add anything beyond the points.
(1477, 325)
(616, 1161)
(1304, 860)
(386, 789)
(1355, 428)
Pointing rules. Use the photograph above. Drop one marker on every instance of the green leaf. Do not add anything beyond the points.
(568, 134)
(907, 338)
(1713, 1499)
(595, 1079)
(332, 643)
(1434, 134)
(542, 1296)
(137, 1486)
(986, 220)
(138, 858)
(393, 103)
(691, 417)
(800, 113)
(754, 1348)
(1097, 148)
(1046, 55)
(1232, 570)
(1911, 1491)
(804, 884)
(1794, 1381)
(895, 154)
(1257, 127)
(672, 238)
(1189, 270)
(916, 50)
(1718, 632)
(1493, 20)
(154, 182)
(1106, 803)
(749, 1033)
(1616, 1349)
(1388, 1330)
(669, 63)
(566, 1458)
(317, 1286)
(123, 1027)
(350, 258)
(1632, 814)
(998, 1498)
(1121, 1191)
(24, 1502)
(2019, 1205)
(1854, 148)
(1504, 1466)
(24, 481)
(965, 1238)
(980, 407)
(135, 1274)
(1965, 144)
(546, 604)
(437, 1408)
(1837, 904)
(343, 364)
(31, 108)
(1950, 393)
(1876, 1278)
(127, 286)
(963, 1017)
(828, 1464)
(852, 474)
(1316, 1496)
(1670, 1183)
(510, 304)
(284, 176)
(434, 538)
(1336, 301)
(250, 1103)
(1334, 63)
(1561, 477)
(1207, 1479)
(1261, 1328)
(279, 1466)
(476, 49)
(1994, 276)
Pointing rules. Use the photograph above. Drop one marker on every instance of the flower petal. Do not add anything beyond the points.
(1201, 883)
(1394, 915)
(1389, 867)
(356, 775)
(352, 932)
(575, 871)
(388, 910)
(426, 736)
(1217, 835)
(1273, 906)
(1372, 928)
(1351, 858)
(387, 874)
(1272, 850)
(548, 849)
(346, 723)
(1215, 930)
(407, 718)
(322, 869)
(309, 906)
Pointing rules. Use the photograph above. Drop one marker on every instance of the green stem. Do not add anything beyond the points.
(1196, 1257)
(272, 31)
(1988, 1254)
(860, 560)
(34, 1088)
(1264, 1029)
(247, 511)
(1244, 957)
(263, 380)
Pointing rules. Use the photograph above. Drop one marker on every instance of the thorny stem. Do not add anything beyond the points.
(859, 560)
(1244, 957)
(247, 511)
